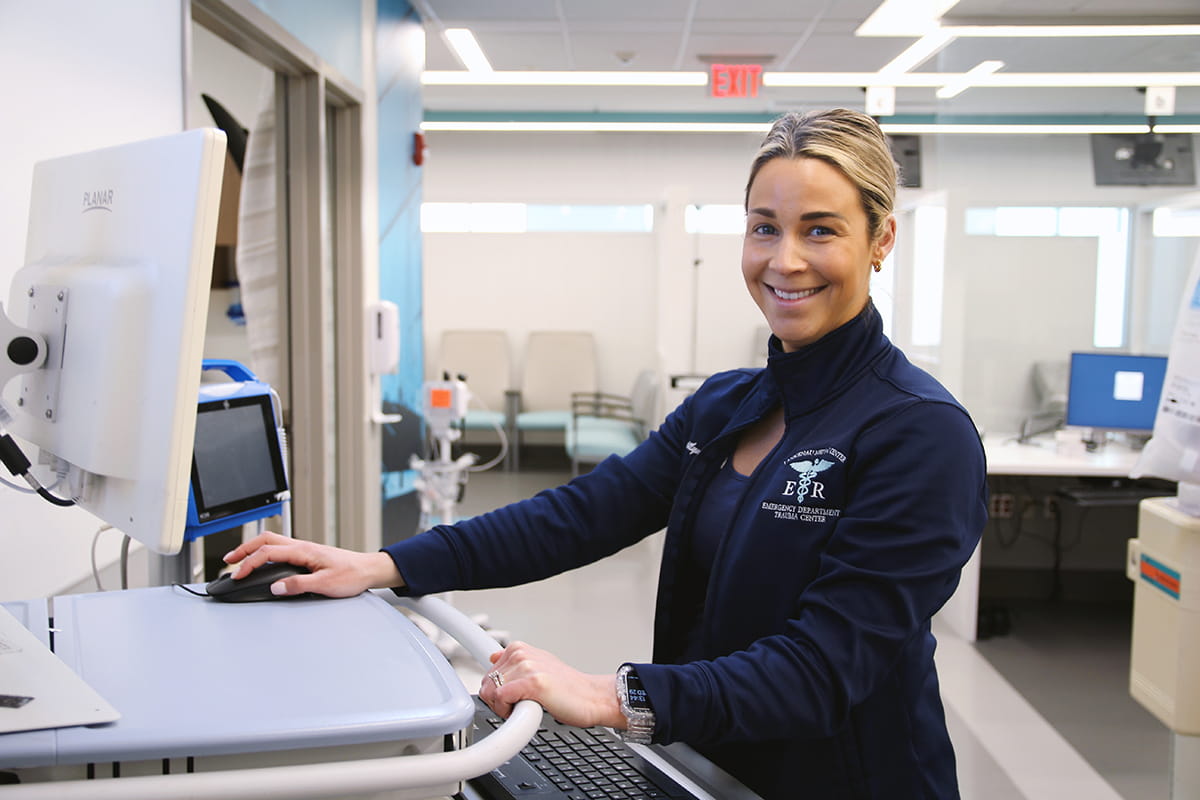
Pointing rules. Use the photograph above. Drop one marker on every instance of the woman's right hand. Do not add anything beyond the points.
(333, 572)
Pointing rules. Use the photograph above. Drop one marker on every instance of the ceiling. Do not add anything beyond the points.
(802, 36)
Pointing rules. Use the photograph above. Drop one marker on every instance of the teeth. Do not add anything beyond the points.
(793, 295)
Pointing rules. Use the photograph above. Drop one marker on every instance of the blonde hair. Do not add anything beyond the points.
(849, 140)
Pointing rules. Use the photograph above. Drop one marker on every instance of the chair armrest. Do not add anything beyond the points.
(599, 404)
(512, 405)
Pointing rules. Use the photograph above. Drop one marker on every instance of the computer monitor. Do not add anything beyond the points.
(114, 294)
(1114, 391)
(238, 472)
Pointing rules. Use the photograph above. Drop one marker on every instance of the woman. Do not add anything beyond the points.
(818, 513)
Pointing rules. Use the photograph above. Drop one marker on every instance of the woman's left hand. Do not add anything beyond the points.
(524, 672)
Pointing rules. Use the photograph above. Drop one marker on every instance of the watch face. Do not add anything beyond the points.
(636, 694)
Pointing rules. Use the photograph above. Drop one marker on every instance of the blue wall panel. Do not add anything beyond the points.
(332, 28)
(400, 57)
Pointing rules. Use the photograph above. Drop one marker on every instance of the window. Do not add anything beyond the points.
(1177, 221)
(1109, 225)
(929, 264)
(533, 218)
(597, 219)
(718, 218)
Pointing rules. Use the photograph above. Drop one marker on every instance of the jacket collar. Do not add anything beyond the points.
(816, 373)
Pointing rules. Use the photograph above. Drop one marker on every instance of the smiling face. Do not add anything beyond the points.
(807, 252)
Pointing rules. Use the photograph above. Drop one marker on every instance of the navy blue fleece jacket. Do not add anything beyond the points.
(818, 679)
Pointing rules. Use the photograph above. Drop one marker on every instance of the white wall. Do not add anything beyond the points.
(1039, 278)
(634, 291)
(616, 306)
(77, 76)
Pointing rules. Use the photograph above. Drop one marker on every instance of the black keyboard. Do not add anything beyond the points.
(562, 762)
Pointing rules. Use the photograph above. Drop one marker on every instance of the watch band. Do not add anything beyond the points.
(635, 706)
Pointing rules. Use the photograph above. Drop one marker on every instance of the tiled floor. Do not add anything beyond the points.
(1042, 714)
(1071, 661)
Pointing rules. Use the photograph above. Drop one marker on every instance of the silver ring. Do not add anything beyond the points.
(497, 678)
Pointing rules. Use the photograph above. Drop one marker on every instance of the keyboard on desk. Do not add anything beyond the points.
(562, 762)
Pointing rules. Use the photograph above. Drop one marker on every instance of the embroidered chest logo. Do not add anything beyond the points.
(807, 471)
(803, 495)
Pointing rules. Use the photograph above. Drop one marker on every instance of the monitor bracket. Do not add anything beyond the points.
(35, 351)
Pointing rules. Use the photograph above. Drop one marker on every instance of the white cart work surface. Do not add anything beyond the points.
(251, 695)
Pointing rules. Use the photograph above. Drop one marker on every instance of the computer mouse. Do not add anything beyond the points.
(255, 586)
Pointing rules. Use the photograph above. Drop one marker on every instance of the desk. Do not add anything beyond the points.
(1040, 457)
(213, 682)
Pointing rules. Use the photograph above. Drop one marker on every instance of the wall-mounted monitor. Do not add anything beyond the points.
(1143, 159)
(906, 150)
(1115, 391)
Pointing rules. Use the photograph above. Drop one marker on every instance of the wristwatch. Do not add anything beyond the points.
(635, 705)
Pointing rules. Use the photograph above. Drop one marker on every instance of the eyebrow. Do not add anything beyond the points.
(807, 217)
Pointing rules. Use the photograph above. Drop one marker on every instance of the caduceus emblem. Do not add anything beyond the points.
(807, 470)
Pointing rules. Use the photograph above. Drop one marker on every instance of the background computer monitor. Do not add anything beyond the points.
(1115, 391)
(118, 263)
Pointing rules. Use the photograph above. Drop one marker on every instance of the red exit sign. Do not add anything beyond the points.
(735, 80)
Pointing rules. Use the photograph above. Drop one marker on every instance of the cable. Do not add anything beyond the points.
(16, 487)
(95, 566)
(285, 508)
(12, 456)
(58, 501)
(1016, 524)
(1038, 424)
(125, 561)
(18, 465)
(500, 456)
(503, 442)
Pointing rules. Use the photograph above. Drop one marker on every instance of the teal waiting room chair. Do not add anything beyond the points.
(604, 424)
(556, 365)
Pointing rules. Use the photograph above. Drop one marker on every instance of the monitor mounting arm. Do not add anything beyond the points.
(24, 350)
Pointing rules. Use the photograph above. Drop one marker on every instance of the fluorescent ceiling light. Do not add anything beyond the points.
(1007, 80)
(598, 127)
(969, 78)
(1066, 31)
(904, 18)
(761, 127)
(919, 52)
(1177, 128)
(1084, 80)
(910, 80)
(564, 78)
(1018, 128)
(463, 43)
